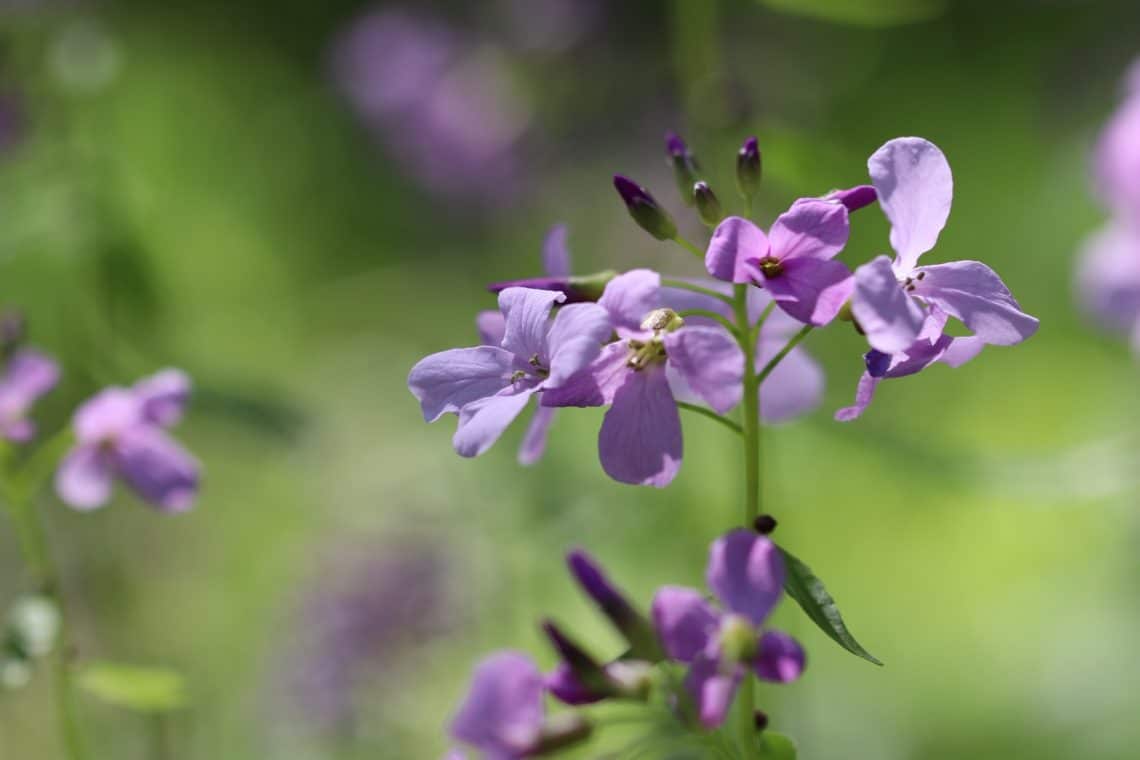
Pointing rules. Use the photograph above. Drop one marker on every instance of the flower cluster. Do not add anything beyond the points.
(504, 716)
(1109, 273)
(645, 345)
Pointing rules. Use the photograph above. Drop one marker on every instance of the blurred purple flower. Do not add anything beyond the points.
(1117, 160)
(503, 713)
(119, 434)
(445, 107)
(488, 386)
(746, 574)
(27, 376)
(1109, 278)
(794, 262)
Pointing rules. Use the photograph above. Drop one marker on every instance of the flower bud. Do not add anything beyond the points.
(749, 168)
(644, 209)
(708, 207)
(634, 626)
(586, 669)
(684, 165)
(855, 198)
(765, 524)
(577, 289)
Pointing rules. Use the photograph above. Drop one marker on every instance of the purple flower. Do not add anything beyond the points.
(746, 574)
(1109, 284)
(1117, 160)
(794, 262)
(27, 376)
(119, 434)
(488, 386)
(503, 714)
(640, 438)
(892, 299)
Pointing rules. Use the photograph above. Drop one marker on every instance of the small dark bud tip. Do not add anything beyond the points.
(644, 209)
(631, 192)
(708, 205)
(674, 145)
(749, 167)
(765, 524)
(760, 719)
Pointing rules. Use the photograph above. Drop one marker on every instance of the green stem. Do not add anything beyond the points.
(688, 246)
(771, 365)
(707, 314)
(711, 415)
(693, 287)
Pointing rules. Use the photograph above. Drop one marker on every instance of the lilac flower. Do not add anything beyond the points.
(27, 376)
(503, 713)
(746, 574)
(892, 299)
(794, 262)
(1109, 283)
(120, 433)
(640, 438)
(488, 386)
(1117, 160)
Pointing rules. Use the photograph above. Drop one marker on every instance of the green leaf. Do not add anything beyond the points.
(873, 13)
(149, 690)
(809, 592)
(774, 746)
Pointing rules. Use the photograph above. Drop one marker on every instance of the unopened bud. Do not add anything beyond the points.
(760, 720)
(765, 524)
(708, 207)
(635, 627)
(644, 209)
(684, 165)
(749, 168)
(577, 289)
(584, 667)
(855, 198)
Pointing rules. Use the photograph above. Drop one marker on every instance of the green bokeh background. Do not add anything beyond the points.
(214, 204)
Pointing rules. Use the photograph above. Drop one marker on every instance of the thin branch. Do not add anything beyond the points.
(771, 365)
(711, 415)
(707, 314)
(693, 287)
(689, 247)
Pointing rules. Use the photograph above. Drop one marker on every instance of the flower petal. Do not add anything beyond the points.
(1109, 276)
(556, 253)
(640, 440)
(811, 290)
(811, 228)
(973, 293)
(527, 314)
(158, 469)
(491, 325)
(684, 621)
(629, 297)
(915, 188)
(164, 396)
(568, 689)
(746, 572)
(449, 380)
(106, 414)
(575, 338)
(962, 350)
(780, 658)
(864, 394)
(503, 711)
(712, 690)
(711, 363)
(887, 314)
(29, 375)
(794, 388)
(534, 442)
(482, 422)
(83, 480)
(1118, 158)
(594, 385)
(734, 242)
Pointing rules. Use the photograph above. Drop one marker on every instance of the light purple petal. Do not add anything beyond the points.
(157, 468)
(503, 711)
(527, 314)
(684, 621)
(962, 350)
(595, 385)
(916, 188)
(164, 396)
(811, 228)
(448, 381)
(734, 242)
(491, 325)
(556, 253)
(629, 297)
(780, 658)
(973, 293)
(887, 314)
(534, 442)
(107, 414)
(711, 363)
(746, 572)
(1118, 159)
(712, 690)
(18, 430)
(29, 375)
(575, 338)
(84, 477)
(640, 440)
(794, 388)
(864, 394)
(482, 422)
(811, 290)
(1109, 276)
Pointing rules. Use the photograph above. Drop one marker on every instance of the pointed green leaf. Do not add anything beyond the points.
(149, 690)
(809, 592)
(774, 746)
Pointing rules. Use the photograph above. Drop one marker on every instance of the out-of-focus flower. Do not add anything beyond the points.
(640, 439)
(1117, 161)
(120, 434)
(445, 106)
(795, 262)
(503, 713)
(488, 386)
(746, 574)
(27, 376)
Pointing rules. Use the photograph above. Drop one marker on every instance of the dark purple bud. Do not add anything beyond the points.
(760, 720)
(644, 209)
(568, 689)
(877, 363)
(855, 198)
(585, 668)
(708, 207)
(749, 168)
(578, 289)
(636, 628)
(684, 165)
(765, 524)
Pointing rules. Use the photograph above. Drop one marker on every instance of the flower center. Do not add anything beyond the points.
(643, 353)
(537, 370)
(737, 639)
(909, 283)
(770, 266)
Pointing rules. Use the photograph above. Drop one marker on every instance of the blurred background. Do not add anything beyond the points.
(295, 201)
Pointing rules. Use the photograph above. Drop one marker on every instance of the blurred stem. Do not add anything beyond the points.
(771, 365)
(689, 246)
(711, 415)
(693, 287)
(696, 58)
(160, 737)
(707, 314)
